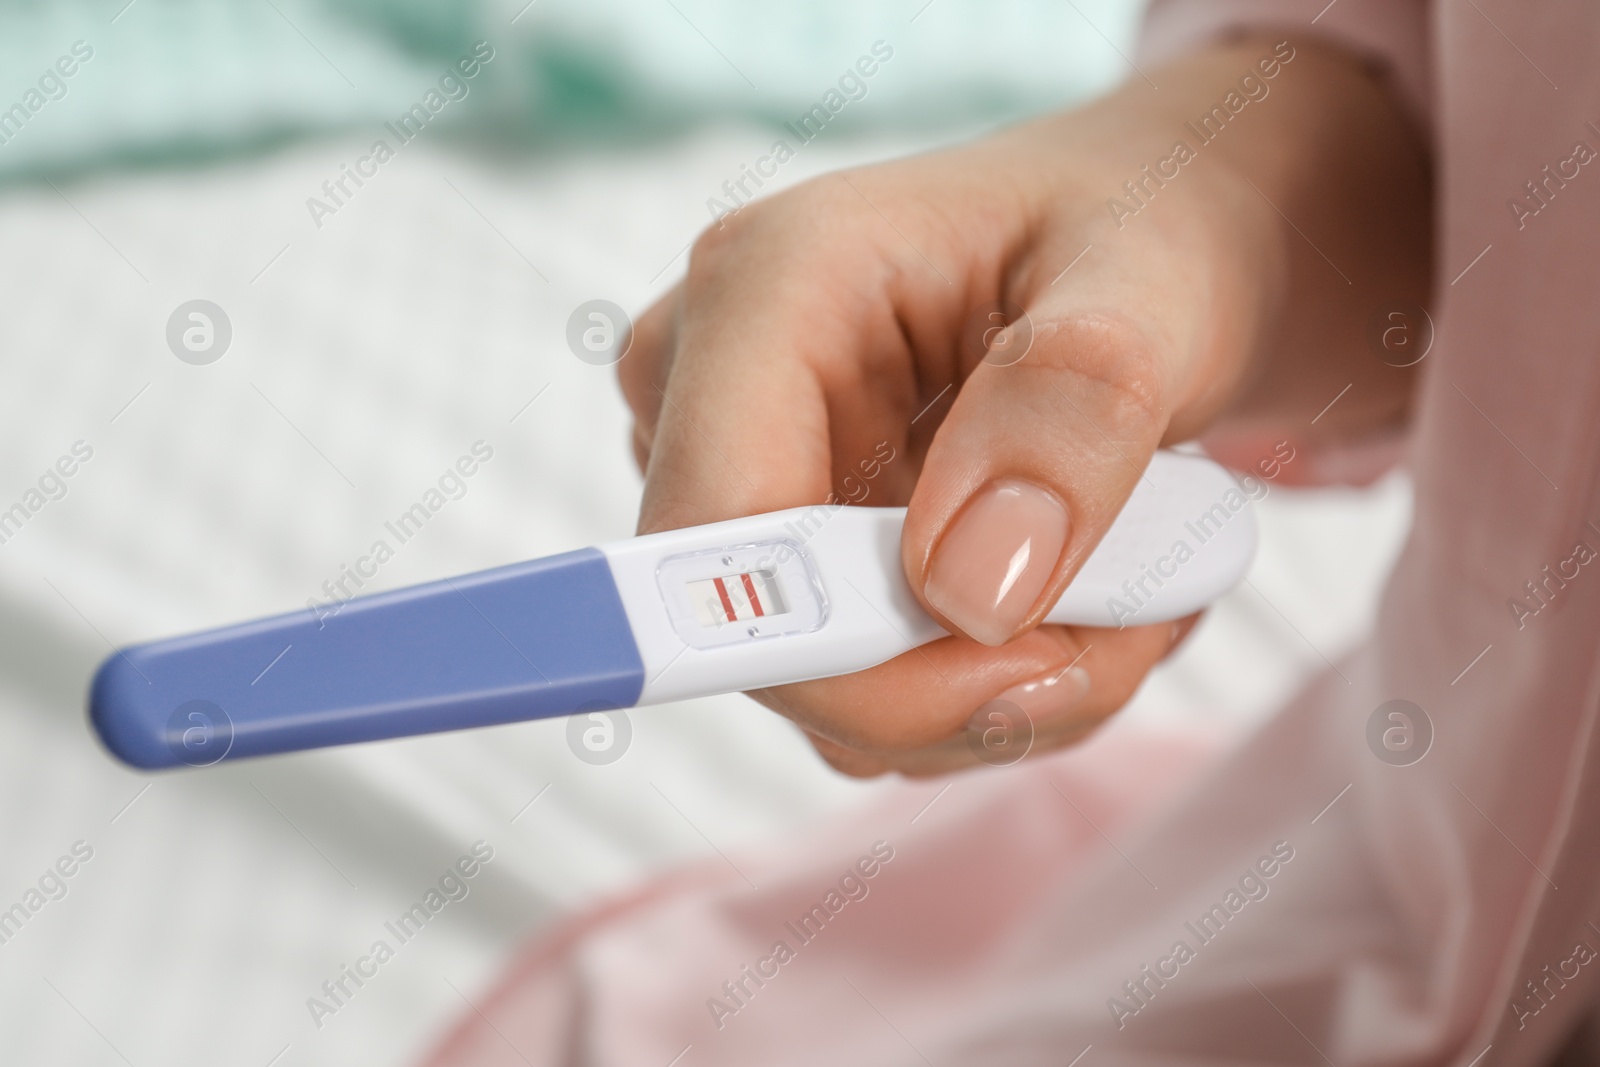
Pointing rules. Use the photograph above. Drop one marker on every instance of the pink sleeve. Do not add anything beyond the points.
(1392, 35)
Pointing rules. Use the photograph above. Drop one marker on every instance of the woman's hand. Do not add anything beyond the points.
(857, 317)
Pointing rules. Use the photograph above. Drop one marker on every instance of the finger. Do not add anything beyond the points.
(1054, 678)
(784, 319)
(1028, 722)
(643, 372)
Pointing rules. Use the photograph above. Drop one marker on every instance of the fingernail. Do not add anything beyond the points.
(1043, 700)
(995, 559)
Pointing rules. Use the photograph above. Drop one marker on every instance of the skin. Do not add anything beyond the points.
(820, 321)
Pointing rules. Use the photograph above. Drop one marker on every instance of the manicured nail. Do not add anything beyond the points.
(1047, 699)
(995, 559)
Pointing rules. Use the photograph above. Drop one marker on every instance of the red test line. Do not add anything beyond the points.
(727, 605)
(750, 591)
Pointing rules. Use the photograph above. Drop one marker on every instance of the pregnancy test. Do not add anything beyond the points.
(749, 603)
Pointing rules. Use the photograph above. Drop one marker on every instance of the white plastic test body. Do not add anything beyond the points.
(739, 605)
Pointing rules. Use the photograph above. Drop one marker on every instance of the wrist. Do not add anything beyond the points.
(1268, 197)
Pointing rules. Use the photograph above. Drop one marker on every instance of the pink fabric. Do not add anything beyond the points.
(1417, 911)
(633, 982)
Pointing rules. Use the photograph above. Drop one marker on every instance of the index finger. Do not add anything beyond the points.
(789, 356)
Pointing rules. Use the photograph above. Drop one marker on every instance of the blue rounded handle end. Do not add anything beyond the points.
(527, 641)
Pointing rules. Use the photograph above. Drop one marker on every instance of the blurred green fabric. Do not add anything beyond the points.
(180, 81)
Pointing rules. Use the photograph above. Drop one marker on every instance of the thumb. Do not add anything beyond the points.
(1029, 469)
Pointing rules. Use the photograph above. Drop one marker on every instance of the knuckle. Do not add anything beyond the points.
(1119, 371)
(716, 246)
(729, 248)
(784, 235)
(830, 195)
